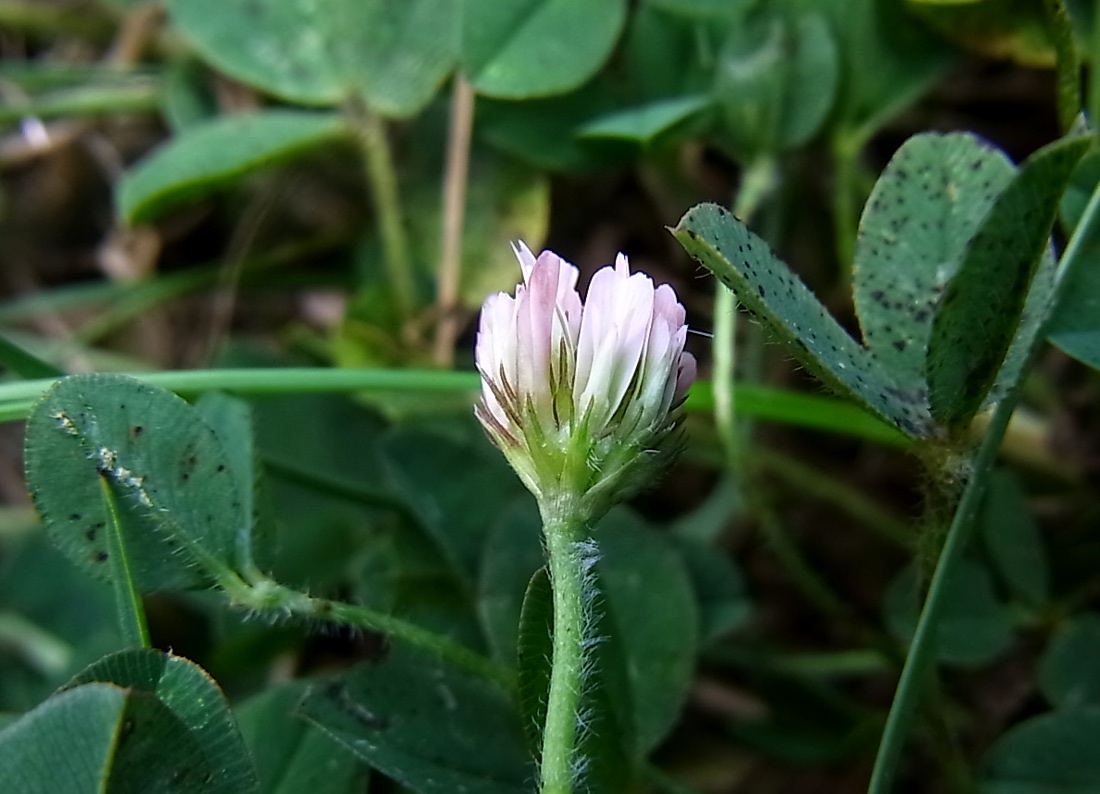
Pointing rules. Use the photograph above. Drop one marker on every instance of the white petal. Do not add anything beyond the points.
(622, 265)
(525, 257)
(616, 361)
(495, 351)
(595, 337)
(614, 329)
(655, 386)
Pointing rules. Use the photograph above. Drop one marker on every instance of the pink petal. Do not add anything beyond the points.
(614, 329)
(685, 376)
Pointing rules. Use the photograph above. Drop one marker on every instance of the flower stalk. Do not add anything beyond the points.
(571, 556)
(583, 400)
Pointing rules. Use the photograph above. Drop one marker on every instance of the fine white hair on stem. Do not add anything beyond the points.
(586, 556)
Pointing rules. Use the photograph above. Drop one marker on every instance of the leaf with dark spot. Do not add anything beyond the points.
(792, 313)
(900, 264)
(984, 301)
(176, 515)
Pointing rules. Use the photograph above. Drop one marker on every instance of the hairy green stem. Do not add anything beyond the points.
(570, 555)
(266, 595)
(921, 650)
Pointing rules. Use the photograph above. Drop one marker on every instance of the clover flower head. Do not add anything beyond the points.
(583, 398)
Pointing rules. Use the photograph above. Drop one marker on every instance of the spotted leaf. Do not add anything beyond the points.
(768, 288)
(913, 236)
(983, 303)
(181, 508)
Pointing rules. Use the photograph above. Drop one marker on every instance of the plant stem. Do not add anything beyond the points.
(756, 183)
(571, 555)
(382, 177)
(137, 30)
(273, 380)
(723, 372)
(454, 206)
(903, 709)
(140, 97)
(804, 410)
(762, 402)
(267, 595)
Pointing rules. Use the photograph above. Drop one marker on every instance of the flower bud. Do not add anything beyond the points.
(582, 399)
